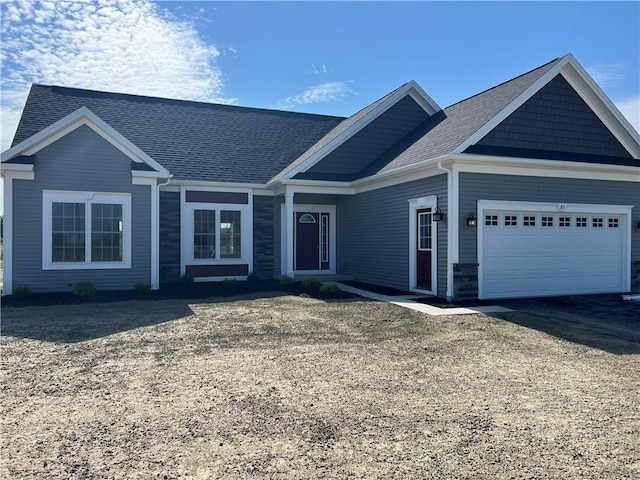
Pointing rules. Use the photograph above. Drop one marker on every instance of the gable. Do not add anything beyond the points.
(192, 140)
(555, 123)
(349, 160)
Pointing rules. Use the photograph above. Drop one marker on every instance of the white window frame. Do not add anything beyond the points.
(245, 226)
(49, 197)
(187, 231)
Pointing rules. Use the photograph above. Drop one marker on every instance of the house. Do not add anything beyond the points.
(530, 188)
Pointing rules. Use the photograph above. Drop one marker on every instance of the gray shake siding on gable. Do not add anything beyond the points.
(349, 160)
(479, 186)
(555, 119)
(373, 233)
(82, 160)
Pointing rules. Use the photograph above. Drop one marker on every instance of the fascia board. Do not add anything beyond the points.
(467, 162)
(512, 107)
(78, 118)
(14, 167)
(411, 88)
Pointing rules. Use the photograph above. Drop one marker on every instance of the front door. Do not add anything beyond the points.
(424, 249)
(307, 233)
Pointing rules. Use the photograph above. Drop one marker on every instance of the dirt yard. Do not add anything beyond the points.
(291, 387)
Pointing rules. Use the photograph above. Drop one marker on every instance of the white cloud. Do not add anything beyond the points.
(607, 74)
(630, 108)
(325, 92)
(322, 69)
(127, 46)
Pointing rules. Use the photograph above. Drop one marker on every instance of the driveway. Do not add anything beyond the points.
(602, 321)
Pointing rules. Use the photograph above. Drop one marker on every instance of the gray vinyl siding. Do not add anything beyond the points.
(80, 161)
(478, 186)
(367, 145)
(556, 119)
(373, 233)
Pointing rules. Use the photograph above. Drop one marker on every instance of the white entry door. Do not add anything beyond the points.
(552, 250)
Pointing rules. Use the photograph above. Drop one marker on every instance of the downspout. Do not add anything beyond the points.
(450, 219)
(156, 259)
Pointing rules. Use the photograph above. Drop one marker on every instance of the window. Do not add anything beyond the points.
(86, 230)
(217, 233)
(581, 222)
(529, 221)
(614, 223)
(204, 234)
(564, 221)
(547, 221)
(106, 232)
(491, 220)
(324, 233)
(230, 234)
(510, 220)
(597, 222)
(424, 231)
(68, 232)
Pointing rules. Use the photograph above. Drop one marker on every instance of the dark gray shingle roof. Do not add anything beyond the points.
(193, 140)
(463, 119)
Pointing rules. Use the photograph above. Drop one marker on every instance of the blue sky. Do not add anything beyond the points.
(321, 57)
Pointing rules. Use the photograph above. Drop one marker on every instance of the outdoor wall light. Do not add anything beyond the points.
(438, 216)
(472, 221)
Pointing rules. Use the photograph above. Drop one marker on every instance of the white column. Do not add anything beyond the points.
(8, 235)
(288, 211)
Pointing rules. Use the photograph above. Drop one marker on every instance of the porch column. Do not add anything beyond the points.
(288, 211)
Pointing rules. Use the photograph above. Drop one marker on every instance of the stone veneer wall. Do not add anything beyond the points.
(169, 237)
(263, 225)
(635, 276)
(465, 281)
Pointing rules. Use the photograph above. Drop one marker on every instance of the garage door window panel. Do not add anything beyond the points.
(511, 220)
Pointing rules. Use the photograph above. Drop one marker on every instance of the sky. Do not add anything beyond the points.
(320, 57)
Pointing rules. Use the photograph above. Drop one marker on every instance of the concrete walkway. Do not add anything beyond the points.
(407, 302)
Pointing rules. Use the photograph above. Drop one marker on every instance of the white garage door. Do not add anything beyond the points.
(526, 253)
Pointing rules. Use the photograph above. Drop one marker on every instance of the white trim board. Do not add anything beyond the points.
(416, 204)
(303, 208)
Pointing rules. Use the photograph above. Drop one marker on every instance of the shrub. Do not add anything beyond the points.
(329, 289)
(142, 288)
(186, 278)
(311, 283)
(21, 291)
(228, 282)
(84, 289)
(253, 277)
(286, 281)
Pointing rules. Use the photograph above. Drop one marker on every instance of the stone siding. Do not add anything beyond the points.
(169, 237)
(465, 281)
(263, 238)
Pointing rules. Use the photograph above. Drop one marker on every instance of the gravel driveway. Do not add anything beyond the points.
(284, 387)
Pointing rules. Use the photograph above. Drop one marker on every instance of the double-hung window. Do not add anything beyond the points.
(86, 230)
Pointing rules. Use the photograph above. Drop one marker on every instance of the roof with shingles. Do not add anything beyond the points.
(462, 119)
(193, 140)
(214, 142)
